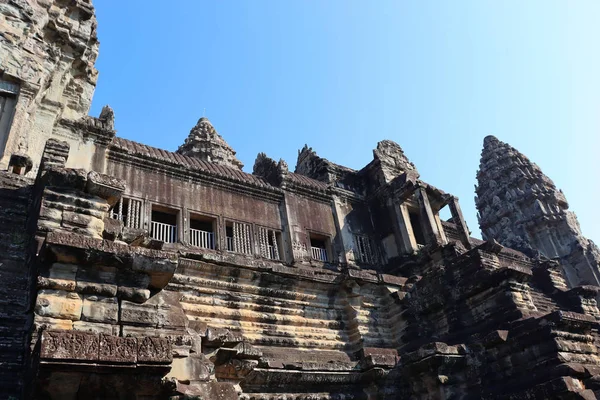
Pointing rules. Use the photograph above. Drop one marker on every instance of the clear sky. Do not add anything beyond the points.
(340, 75)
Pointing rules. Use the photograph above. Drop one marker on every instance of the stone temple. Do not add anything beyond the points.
(130, 272)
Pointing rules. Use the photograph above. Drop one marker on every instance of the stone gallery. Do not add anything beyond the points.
(130, 272)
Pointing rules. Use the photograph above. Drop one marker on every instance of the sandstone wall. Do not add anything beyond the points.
(47, 48)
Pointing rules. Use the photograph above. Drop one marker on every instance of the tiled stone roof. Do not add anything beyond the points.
(145, 151)
(304, 180)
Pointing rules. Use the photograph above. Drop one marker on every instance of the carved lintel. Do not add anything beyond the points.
(69, 345)
(154, 350)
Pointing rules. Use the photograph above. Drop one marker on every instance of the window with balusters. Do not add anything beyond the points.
(163, 224)
(268, 243)
(238, 236)
(319, 245)
(364, 249)
(129, 211)
(202, 232)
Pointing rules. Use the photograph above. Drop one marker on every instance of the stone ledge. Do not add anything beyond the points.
(73, 248)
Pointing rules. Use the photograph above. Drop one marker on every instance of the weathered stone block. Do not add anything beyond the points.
(133, 236)
(105, 187)
(138, 314)
(65, 177)
(171, 317)
(50, 214)
(100, 309)
(63, 271)
(83, 223)
(221, 336)
(133, 279)
(160, 270)
(96, 327)
(100, 289)
(112, 228)
(209, 390)
(56, 284)
(59, 277)
(133, 294)
(59, 304)
(196, 368)
(46, 323)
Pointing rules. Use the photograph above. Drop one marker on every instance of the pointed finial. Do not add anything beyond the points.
(490, 139)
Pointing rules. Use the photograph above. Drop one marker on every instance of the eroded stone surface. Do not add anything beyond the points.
(48, 50)
(130, 271)
(521, 208)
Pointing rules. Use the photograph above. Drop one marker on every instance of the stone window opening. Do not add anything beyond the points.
(202, 231)
(163, 224)
(415, 222)
(445, 214)
(129, 211)
(364, 249)
(238, 237)
(318, 247)
(269, 242)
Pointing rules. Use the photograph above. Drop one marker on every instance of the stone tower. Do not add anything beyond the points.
(521, 208)
(205, 143)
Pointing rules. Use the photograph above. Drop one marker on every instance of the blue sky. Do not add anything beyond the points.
(340, 75)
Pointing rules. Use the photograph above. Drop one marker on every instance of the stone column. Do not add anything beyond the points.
(287, 234)
(430, 229)
(340, 227)
(407, 237)
(459, 221)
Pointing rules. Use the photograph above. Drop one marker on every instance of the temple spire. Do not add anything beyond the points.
(205, 143)
(520, 207)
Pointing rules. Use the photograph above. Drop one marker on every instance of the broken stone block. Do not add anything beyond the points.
(105, 187)
(65, 177)
(59, 304)
(216, 337)
(133, 236)
(195, 368)
(112, 228)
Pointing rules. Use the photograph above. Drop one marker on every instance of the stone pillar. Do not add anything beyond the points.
(459, 221)
(343, 246)
(407, 237)
(287, 234)
(430, 229)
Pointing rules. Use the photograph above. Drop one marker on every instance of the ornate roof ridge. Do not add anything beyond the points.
(188, 162)
(205, 143)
